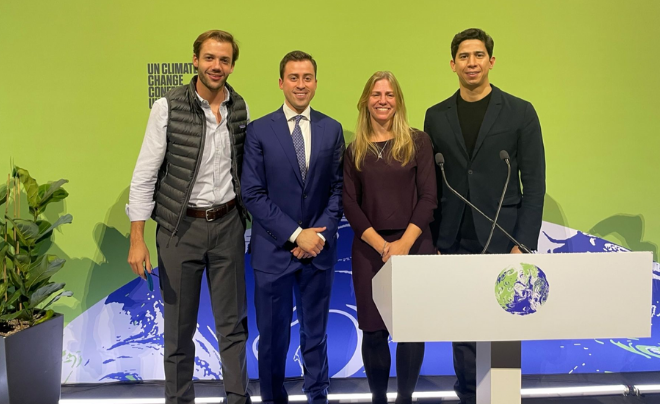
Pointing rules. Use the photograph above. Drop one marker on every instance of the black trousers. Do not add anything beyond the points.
(465, 366)
(377, 362)
(218, 249)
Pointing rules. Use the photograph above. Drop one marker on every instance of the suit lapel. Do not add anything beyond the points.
(452, 116)
(316, 138)
(492, 112)
(281, 130)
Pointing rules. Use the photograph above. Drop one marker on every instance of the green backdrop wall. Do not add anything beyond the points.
(74, 97)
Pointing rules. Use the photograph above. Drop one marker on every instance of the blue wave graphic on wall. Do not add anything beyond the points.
(121, 337)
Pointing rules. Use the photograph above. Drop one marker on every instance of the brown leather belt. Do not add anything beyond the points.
(211, 214)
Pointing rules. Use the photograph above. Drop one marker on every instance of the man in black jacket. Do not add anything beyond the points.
(470, 128)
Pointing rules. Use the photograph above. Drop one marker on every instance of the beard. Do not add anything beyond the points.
(211, 85)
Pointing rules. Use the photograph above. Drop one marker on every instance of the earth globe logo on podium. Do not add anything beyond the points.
(521, 289)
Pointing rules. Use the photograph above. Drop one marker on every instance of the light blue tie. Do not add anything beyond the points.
(299, 146)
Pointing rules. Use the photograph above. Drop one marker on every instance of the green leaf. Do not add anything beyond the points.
(66, 293)
(42, 269)
(22, 261)
(27, 230)
(13, 297)
(7, 306)
(47, 316)
(36, 268)
(29, 185)
(11, 306)
(42, 190)
(49, 191)
(66, 219)
(43, 226)
(17, 281)
(4, 248)
(4, 192)
(4, 309)
(57, 196)
(3, 289)
(43, 292)
(10, 240)
(12, 316)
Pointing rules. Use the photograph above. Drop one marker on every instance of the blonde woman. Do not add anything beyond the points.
(389, 197)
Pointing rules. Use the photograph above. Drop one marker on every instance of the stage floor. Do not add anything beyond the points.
(209, 391)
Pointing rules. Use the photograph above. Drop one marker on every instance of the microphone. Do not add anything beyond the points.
(503, 156)
(440, 161)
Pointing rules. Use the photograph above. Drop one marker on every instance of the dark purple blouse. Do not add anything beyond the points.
(386, 196)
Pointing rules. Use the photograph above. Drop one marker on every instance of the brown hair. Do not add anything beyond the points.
(472, 33)
(296, 56)
(220, 36)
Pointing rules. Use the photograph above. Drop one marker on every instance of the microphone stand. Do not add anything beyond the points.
(440, 161)
(504, 156)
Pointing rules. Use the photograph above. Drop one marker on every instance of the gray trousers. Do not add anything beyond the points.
(219, 248)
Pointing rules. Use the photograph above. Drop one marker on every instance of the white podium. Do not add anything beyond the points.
(500, 300)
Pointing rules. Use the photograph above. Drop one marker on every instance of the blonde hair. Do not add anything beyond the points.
(403, 147)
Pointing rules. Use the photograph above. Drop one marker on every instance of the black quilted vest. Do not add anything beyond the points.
(186, 129)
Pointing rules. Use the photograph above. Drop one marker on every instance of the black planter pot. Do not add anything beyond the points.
(31, 364)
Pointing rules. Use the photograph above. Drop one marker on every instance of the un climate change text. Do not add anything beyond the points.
(162, 77)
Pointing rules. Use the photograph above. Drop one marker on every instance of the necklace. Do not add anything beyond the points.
(380, 152)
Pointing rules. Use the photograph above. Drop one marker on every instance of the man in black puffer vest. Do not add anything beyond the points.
(187, 178)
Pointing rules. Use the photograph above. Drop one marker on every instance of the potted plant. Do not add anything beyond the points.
(30, 332)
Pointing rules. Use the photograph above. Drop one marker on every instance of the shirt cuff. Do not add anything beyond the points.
(321, 235)
(295, 234)
(139, 213)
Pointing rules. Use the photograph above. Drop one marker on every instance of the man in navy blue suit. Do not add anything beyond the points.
(292, 185)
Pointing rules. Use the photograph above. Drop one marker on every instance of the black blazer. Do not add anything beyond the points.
(510, 124)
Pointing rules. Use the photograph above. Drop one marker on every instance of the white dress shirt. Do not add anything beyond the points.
(306, 128)
(213, 184)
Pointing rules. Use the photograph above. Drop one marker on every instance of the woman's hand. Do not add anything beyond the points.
(399, 247)
(371, 237)
(386, 249)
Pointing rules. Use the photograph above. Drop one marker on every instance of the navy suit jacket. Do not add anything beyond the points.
(274, 193)
(510, 124)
